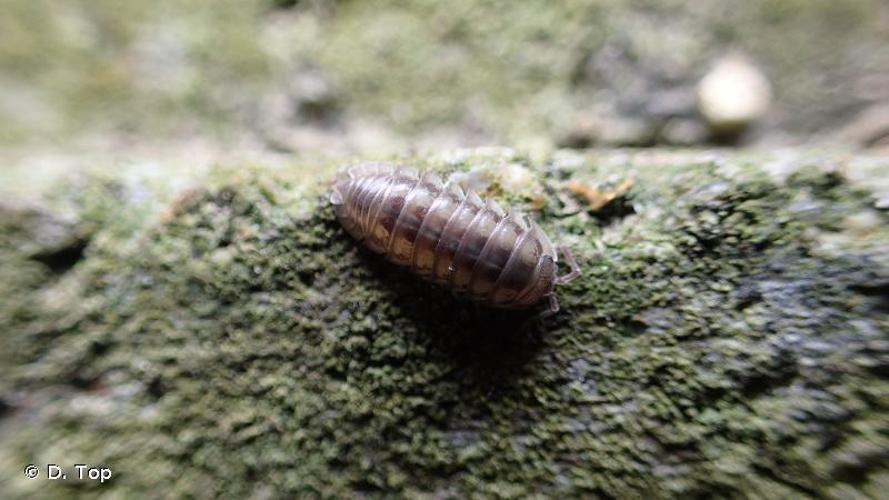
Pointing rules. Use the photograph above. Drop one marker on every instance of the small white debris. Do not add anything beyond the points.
(511, 178)
(515, 178)
(733, 94)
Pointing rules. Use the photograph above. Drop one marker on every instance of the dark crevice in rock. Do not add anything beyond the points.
(766, 470)
(155, 388)
(85, 381)
(877, 289)
(615, 211)
(856, 469)
(61, 260)
(5, 407)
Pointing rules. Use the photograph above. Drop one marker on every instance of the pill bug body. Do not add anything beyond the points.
(449, 237)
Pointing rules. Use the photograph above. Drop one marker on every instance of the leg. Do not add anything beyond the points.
(552, 309)
(572, 262)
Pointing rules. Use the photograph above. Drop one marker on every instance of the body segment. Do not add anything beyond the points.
(449, 237)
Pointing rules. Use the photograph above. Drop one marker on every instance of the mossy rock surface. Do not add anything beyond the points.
(728, 336)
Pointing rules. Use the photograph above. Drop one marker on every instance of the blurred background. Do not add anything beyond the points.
(199, 79)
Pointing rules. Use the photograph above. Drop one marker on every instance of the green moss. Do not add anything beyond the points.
(242, 344)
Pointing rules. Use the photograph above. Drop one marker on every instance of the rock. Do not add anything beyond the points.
(733, 95)
(676, 102)
(55, 241)
(870, 128)
(515, 178)
(243, 345)
(303, 115)
(313, 96)
(609, 130)
(684, 132)
(628, 131)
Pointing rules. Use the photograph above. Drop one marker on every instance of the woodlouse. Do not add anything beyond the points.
(449, 237)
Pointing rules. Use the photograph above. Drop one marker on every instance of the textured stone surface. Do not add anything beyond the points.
(729, 336)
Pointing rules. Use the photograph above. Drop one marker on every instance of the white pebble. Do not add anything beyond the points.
(733, 94)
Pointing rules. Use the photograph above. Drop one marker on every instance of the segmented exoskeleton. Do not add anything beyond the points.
(450, 237)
